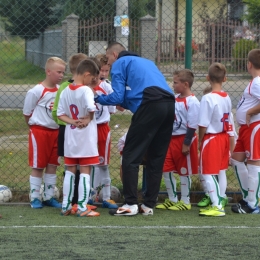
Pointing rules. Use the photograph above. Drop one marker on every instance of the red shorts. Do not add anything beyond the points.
(104, 143)
(68, 161)
(214, 153)
(43, 148)
(248, 141)
(176, 161)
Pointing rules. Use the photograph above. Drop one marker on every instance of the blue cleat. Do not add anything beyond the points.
(36, 204)
(52, 203)
(110, 204)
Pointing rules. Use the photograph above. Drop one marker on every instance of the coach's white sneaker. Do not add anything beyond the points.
(125, 210)
(145, 210)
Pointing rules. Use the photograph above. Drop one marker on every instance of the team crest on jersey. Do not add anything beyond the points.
(49, 106)
(99, 111)
(101, 159)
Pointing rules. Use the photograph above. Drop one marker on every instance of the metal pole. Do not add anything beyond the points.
(188, 35)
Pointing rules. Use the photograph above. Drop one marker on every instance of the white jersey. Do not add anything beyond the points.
(121, 143)
(38, 105)
(249, 99)
(76, 101)
(232, 127)
(186, 114)
(215, 110)
(102, 113)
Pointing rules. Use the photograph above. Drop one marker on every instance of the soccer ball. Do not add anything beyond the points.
(5, 194)
(115, 195)
(55, 196)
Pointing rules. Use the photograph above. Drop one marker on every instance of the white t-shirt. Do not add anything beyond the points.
(249, 99)
(121, 143)
(186, 114)
(102, 113)
(38, 104)
(76, 101)
(215, 111)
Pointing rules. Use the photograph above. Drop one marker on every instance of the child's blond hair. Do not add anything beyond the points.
(217, 72)
(185, 75)
(52, 60)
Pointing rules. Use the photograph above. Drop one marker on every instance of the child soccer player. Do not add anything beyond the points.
(214, 123)
(247, 146)
(43, 134)
(182, 154)
(76, 108)
(222, 178)
(100, 173)
(74, 60)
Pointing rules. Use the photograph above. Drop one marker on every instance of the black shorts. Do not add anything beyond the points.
(61, 140)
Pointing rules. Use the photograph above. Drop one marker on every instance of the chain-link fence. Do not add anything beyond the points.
(32, 31)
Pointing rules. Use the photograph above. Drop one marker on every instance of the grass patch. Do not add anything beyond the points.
(14, 68)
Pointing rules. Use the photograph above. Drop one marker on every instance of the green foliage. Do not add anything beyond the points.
(140, 8)
(27, 18)
(240, 52)
(253, 11)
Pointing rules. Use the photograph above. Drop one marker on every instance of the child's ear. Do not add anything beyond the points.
(225, 79)
(207, 77)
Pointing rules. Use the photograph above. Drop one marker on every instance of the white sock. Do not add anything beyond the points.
(95, 178)
(213, 190)
(222, 180)
(242, 176)
(170, 183)
(253, 184)
(49, 181)
(185, 189)
(68, 189)
(35, 186)
(105, 181)
(203, 183)
(84, 187)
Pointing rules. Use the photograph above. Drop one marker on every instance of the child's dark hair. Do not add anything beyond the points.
(102, 59)
(254, 58)
(217, 72)
(74, 61)
(185, 75)
(96, 61)
(87, 66)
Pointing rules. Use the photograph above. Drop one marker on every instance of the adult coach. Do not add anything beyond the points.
(140, 87)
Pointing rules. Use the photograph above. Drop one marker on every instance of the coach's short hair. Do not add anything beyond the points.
(87, 66)
(217, 72)
(115, 46)
(185, 75)
(254, 58)
(74, 61)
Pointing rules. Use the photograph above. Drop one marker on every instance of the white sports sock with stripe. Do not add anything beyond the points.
(222, 180)
(105, 181)
(49, 185)
(203, 183)
(253, 184)
(84, 188)
(170, 183)
(185, 189)
(68, 189)
(213, 190)
(242, 176)
(35, 186)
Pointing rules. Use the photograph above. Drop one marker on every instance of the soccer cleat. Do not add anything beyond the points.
(167, 203)
(180, 205)
(110, 204)
(213, 212)
(75, 208)
(87, 213)
(52, 203)
(243, 208)
(66, 212)
(146, 211)
(224, 201)
(36, 204)
(205, 201)
(125, 210)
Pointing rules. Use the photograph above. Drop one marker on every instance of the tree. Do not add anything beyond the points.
(253, 11)
(27, 18)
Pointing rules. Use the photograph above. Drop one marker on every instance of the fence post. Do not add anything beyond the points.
(64, 39)
(70, 36)
(148, 37)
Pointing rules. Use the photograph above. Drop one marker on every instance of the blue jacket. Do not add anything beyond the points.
(131, 75)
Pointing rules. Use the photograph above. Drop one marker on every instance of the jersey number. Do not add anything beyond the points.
(225, 122)
(74, 112)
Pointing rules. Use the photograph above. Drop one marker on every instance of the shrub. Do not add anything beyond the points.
(240, 52)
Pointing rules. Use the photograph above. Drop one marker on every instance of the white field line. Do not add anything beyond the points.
(135, 227)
